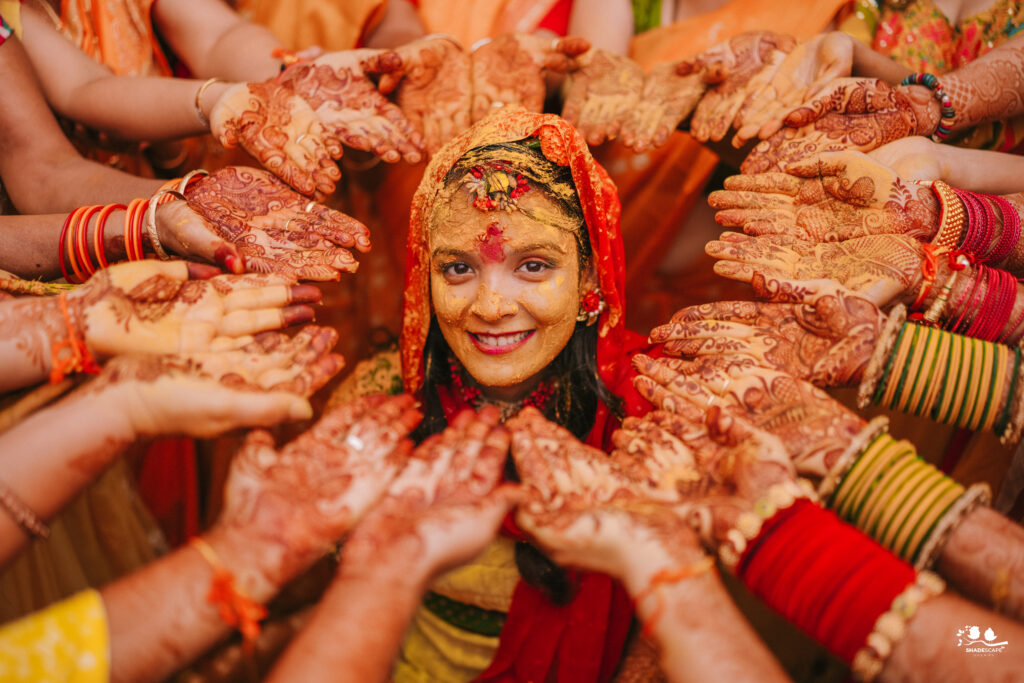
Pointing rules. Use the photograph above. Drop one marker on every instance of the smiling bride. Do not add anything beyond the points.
(514, 297)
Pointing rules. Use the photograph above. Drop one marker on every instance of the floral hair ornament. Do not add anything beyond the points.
(495, 186)
(591, 306)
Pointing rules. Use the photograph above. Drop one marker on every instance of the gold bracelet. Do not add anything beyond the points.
(951, 217)
(199, 96)
(154, 239)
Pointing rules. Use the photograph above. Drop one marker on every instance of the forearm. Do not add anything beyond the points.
(699, 631)
(928, 652)
(357, 627)
(991, 88)
(215, 41)
(984, 560)
(869, 64)
(140, 108)
(160, 619)
(30, 326)
(52, 455)
(29, 245)
(401, 24)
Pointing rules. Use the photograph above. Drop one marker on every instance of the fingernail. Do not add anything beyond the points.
(305, 294)
(296, 315)
(300, 410)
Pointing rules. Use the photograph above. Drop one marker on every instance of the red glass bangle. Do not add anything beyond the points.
(60, 247)
(1011, 228)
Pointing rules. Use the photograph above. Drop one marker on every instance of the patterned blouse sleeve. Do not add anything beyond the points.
(68, 641)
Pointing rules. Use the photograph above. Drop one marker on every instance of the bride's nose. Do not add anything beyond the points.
(491, 305)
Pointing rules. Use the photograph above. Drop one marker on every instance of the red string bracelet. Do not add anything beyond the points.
(79, 360)
(665, 577)
(236, 609)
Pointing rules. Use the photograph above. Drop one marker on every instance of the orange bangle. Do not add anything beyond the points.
(73, 221)
(97, 237)
(82, 241)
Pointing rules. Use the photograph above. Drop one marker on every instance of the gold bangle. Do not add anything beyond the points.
(154, 239)
(951, 217)
(883, 348)
(975, 496)
(199, 96)
(858, 444)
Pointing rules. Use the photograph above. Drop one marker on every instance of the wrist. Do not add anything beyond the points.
(927, 111)
(249, 559)
(650, 556)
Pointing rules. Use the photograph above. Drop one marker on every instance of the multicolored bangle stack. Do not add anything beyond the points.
(901, 501)
(835, 584)
(947, 115)
(73, 246)
(74, 241)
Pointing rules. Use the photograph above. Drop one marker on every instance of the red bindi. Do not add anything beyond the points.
(491, 244)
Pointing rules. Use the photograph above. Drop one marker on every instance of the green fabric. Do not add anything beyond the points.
(483, 622)
(646, 15)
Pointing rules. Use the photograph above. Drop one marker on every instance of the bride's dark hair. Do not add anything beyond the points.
(580, 387)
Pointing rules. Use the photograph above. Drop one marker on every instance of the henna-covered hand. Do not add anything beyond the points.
(602, 94)
(445, 505)
(593, 511)
(735, 464)
(281, 131)
(293, 504)
(817, 330)
(814, 428)
(830, 197)
(739, 66)
(153, 307)
(879, 268)
(431, 78)
(206, 394)
(510, 70)
(806, 69)
(351, 108)
(670, 94)
(275, 229)
(849, 114)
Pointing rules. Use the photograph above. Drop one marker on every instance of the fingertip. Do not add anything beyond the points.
(201, 271)
(297, 315)
(304, 294)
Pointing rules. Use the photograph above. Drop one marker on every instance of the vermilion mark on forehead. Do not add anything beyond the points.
(492, 242)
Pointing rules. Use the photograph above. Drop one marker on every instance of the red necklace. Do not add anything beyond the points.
(539, 398)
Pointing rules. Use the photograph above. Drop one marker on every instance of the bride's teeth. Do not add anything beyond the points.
(504, 340)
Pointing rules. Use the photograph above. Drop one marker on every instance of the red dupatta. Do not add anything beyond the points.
(582, 641)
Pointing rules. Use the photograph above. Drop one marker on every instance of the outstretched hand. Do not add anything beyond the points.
(444, 506)
(156, 307)
(281, 131)
(351, 108)
(293, 504)
(817, 331)
(267, 227)
(602, 94)
(828, 197)
(510, 69)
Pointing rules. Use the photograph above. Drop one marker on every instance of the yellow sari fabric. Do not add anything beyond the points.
(67, 642)
(331, 24)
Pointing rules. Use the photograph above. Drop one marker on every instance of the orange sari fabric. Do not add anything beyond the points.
(116, 33)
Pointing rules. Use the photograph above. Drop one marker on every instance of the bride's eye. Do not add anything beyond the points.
(534, 266)
(456, 269)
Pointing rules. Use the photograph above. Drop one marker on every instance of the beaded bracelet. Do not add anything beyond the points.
(22, 514)
(891, 627)
(901, 501)
(951, 217)
(748, 525)
(947, 115)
